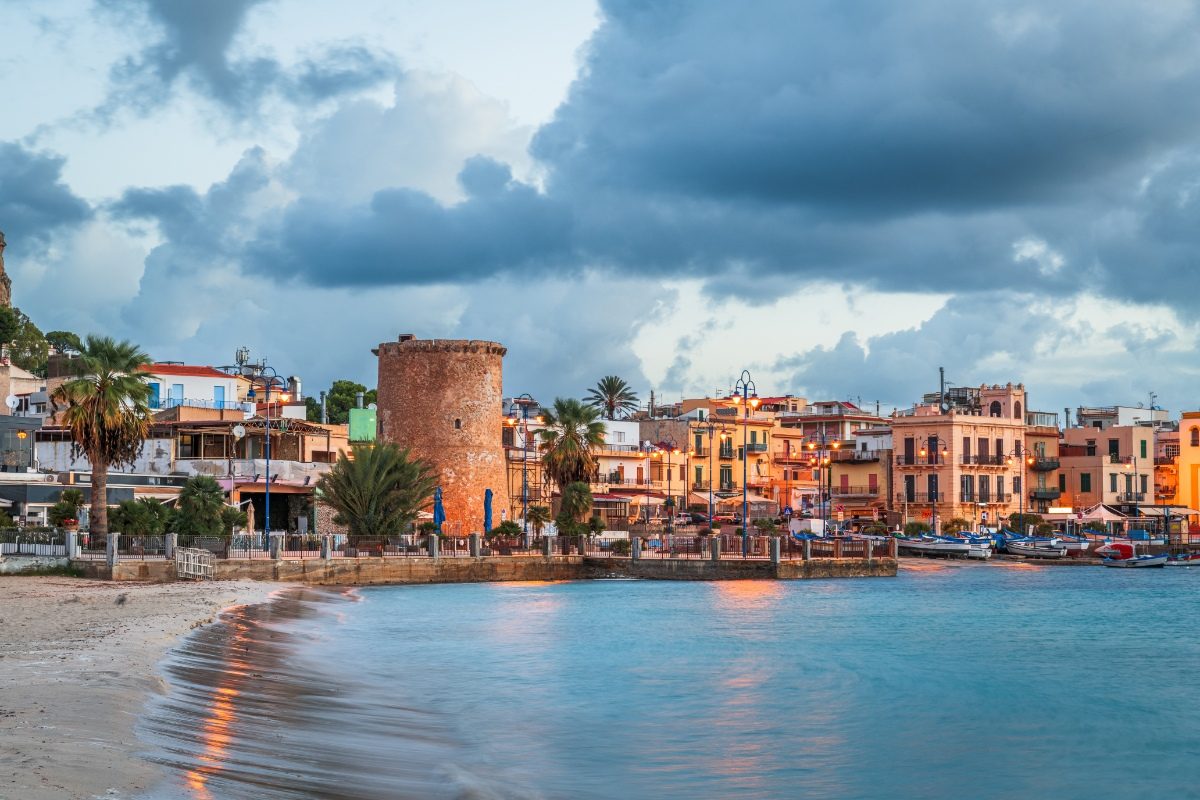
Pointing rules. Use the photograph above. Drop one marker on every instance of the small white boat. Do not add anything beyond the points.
(980, 547)
(1184, 560)
(1076, 545)
(932, 546)
(1159, 560)
(1045, 548)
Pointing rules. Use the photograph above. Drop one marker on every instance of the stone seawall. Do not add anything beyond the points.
(485, 569)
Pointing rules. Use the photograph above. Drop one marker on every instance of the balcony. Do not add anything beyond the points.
(701, 452)
(1131, 497)
(855, 491)
(1044, 464)
(606, 482)
(619, 450)
(990, 497)
(756, 447)
(921, 497)
(921, 461)
(984, 461)
(159, 403)
(725, 452)
(852, 455)
(1044, 493)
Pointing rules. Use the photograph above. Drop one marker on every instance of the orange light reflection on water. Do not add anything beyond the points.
(215, 730)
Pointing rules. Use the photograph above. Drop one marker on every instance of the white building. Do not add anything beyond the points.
(173, 384)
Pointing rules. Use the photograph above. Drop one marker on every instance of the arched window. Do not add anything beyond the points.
(1195, 436)
(1017, 410)
(458, 424)
(994, 409)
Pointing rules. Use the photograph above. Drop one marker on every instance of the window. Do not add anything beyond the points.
(1000, 487)
(618, 437)
(910, 488)
(1017, 410)
(176, 396)
(932, 485)
(457, 424)
(985, 488)
(1091, 447)
(1085, 481)
(741, 454)
(994, 409)
(1112, 481)
(1143, 443)
(1145, 481)
(1017, 485)
(966, 488)
(753, 437)
(983, 449)
(1114, 448)
(508, 436)
(966, 449)
(1000, 451)
(1195, 434)
(700, 476)
(682, 473)
(1062, 482)
(726, 476)
(699, 443)
(187, 446)
(218, 397)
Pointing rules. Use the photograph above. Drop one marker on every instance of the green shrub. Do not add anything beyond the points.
(916, 528)
(621, 547)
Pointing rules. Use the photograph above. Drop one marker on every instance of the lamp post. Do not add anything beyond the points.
(711, 429)
(822, 459)
(261, 374)
(1026, 460)
(670, 447)
(746, 394)
(936, 451)
(524, 402)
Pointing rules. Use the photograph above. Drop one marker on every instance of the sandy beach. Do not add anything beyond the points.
(78, 662)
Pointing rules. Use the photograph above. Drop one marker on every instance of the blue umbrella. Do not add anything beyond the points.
(439, 511)
(487, 510)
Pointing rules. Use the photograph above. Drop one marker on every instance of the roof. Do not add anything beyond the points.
(184, 370)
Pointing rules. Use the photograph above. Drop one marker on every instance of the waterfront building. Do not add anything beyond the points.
(960, 457)
(1041, 466)
(1166, 467)
(1187, 465)
(860, 475)
(1110, 464)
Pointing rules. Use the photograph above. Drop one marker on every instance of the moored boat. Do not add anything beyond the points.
(1147, 560)
(1184, 560)
(933, 546)
(1036, 548)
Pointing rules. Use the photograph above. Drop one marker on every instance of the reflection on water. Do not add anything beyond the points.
(755, 689)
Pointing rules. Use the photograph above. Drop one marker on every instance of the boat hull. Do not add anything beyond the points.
(1137, 562)
(1035, 551)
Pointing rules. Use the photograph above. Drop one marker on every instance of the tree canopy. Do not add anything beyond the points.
(339, 399)
(378, 490)
(572, 431)
(105, 406)
(613, 396)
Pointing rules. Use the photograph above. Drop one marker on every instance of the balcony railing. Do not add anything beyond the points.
(921, 497)
(1044, 464)
(1044, 493)
(158, 403)
(756, 447)
(990, 497)
(725, 452)
(850, 454)
(855, 491)
(921, 461)
(1131, 497)
(611, 481)
(985, 461)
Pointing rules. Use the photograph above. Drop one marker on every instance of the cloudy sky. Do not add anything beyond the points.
(838, 196)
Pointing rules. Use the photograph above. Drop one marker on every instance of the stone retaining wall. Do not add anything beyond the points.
(485, 569)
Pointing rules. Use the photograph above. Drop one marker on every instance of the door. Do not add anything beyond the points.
(176, 395)
(873, 483)
(218, 397)
(910, 488)
(910, 451)
(154, 395)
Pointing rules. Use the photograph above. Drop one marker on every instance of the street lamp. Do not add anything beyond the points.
(1026, 461)
(936, 451)
(261, 374)
(822, 459)
(711, 428)
(524, 402)
(670, 447)
(745, 393)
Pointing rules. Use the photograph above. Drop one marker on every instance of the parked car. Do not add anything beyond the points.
(727, 519)
(698, 519)
(683, 518)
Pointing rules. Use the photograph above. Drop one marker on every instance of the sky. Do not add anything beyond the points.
(839, 197)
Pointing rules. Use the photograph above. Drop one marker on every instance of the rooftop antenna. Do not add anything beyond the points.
(942, 390)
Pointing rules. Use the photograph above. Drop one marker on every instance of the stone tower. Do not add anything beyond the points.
(5, 281)
(443, 399)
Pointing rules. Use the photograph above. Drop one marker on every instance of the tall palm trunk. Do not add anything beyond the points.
(98, 524)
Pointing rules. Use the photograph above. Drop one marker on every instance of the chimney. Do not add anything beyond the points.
(358, 399)
(324, 410)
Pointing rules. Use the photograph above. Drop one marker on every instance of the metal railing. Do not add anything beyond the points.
(1045, 493)
(855, 491)
(922, 497)
(33, 543)
(1131, 497)
(984, 461)
(1044, 464)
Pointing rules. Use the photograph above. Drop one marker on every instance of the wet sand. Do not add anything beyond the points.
(78, 660)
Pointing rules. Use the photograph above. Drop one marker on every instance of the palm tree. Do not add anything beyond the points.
(378, 489)
(201, 501)
(571, 431)
(538, 517)
(107, 412)
(613, 396)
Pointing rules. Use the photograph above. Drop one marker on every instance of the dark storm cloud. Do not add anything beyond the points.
(405, 236)
(902, 146)
(34, 201)
(194, 46)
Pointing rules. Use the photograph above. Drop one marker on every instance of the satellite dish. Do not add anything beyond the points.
(239, 431)
(11, 401)
(372, 406)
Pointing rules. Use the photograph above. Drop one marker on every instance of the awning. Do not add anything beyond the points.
(1162, 511)
(646, 501)
(1102, 513)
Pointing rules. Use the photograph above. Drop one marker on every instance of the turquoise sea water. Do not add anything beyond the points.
(976, 681)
